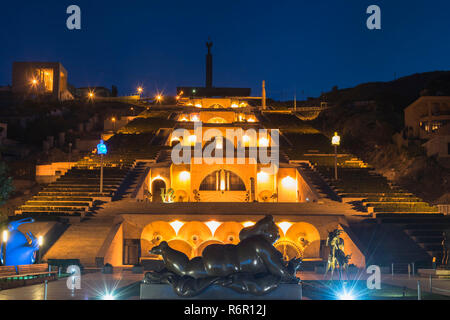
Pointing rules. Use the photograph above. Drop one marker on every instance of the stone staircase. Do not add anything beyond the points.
(322, 188)
(82, 240)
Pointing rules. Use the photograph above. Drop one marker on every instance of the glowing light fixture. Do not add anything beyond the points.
(192, 139)
(108, 296)
(40, 240)
(246, 139)
(176, 225)
(91, 95)
(198, 105)
(248, 224)
(139, 90)
(219, 142)
(336, 140)
(5, 236)
(345, 295)
(222, 184)
(185, 175)
(262, 176)
(263, 142)
(34, 82)
(159, 97)
(251, 119)
(285, 226)
(195, 118)
(213, 225)
(288, 183)
(234, 105)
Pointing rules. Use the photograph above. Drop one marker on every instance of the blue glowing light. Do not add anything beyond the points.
(101, 148)
(16, 248)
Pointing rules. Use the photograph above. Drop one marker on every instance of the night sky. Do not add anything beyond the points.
(307, 46)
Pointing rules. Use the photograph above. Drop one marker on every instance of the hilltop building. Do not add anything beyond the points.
(40, 79)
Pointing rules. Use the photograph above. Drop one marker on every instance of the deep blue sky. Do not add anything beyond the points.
(293, 45)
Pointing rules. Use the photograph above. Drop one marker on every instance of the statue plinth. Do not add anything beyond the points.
(156, 291)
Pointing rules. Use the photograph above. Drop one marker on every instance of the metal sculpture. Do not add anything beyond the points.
(16, 248)
(336, 258)
(252, 266)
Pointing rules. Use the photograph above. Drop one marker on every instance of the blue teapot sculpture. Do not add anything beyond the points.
(19, 249)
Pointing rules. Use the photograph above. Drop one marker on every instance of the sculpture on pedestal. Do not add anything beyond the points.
(16, 248)
(252, 266)
(336, 258)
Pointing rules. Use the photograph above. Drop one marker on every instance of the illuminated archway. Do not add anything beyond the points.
(154, 233)
(183, 246)
(203, 245)
(288, 249)
(228, 232)
(222, 180)
(306, 237)
(194, 232)
(157, 185)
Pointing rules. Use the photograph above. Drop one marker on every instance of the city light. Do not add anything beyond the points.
(40, 241)
(185, 176)
(139, 90)
(5, 235)
(213, 225)
(34, 82)
(263, 142)
(91, 95)
(262, 176)
(285, 226)
(248, 224)
(345, 295)
(336, 140)
(176, 225)
(108, 296)
(159, 97)
(288, 182)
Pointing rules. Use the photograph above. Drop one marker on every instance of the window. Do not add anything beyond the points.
(222, 180)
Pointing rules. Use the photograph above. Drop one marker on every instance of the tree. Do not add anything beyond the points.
(6, 185)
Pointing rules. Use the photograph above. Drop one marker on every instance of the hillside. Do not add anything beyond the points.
(369, 114)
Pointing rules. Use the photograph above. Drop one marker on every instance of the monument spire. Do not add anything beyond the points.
(209, 64)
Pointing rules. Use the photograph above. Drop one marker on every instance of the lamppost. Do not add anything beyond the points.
(113, 119)
(4, 241)
(101, 150)
(40, 242)
(140, 90)
(335, 141)
(159, 97)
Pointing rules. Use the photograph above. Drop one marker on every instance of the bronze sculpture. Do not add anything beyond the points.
(253, 266)
(336, 258)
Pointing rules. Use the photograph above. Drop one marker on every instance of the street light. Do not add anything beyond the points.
(101, 150)
(5, 240)
(40, 242)
(91, 95)
(335, 141)
(113, 119)
(159, 97)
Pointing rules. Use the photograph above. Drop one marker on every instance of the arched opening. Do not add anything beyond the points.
(157, 185)
(228, 232)
(182, 246)
(154, 233)
(288, 249)
(306, 237)
(202, 246)
(222, 180)
(194, 232)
